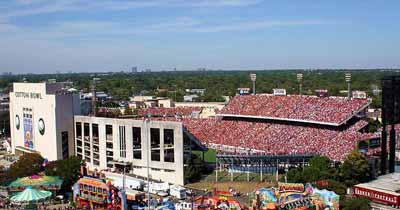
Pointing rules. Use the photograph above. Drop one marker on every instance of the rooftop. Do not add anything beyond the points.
(389, 183)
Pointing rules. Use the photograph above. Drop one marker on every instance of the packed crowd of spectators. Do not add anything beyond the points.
(276, 139)
(169, 112)
(311, 108)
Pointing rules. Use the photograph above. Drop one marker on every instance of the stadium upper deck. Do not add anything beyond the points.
(332, 111)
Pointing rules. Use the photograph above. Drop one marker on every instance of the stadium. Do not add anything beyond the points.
(267, 129)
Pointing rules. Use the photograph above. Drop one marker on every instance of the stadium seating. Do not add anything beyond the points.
(274, 139)
(295, 107)
(235, 135)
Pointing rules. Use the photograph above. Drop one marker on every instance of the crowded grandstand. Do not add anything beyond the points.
(279, 125)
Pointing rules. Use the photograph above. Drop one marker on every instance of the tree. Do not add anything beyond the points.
(319, 169)
(355, 169)
(356, 203)
(337, 187)
(68, 170)
(195, 168)
(28, 164)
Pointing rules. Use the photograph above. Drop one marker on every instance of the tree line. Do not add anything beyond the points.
(218, 83)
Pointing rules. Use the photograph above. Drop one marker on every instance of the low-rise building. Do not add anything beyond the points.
(112, 143)
(382, 191)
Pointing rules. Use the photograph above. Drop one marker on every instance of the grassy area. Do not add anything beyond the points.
(239, 183)
(210, 156)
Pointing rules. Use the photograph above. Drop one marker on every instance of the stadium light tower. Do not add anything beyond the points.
(253, 79)
(347, 77)
(300, 80)
(94, 83)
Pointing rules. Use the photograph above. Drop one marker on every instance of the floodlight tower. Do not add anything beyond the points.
(347, 77)
(300, 80)
(253, 79)
(94, 98)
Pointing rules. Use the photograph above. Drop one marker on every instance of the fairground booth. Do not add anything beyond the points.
(48, 183)
(294, 196)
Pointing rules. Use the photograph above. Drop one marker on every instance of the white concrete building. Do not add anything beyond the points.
(41, 119)
(103, 142)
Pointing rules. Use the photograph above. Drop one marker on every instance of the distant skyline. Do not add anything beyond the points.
(46, 36)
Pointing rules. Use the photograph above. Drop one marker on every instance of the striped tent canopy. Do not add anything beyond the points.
(30, 195)
(37, 181)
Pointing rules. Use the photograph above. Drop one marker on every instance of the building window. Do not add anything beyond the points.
(78, 128)
(137, 142)
(95, 133)
(155, 144)
(122, 142)
(155, 154)
(168, 137)
(95, 130)
(169, 145)
(155, 137)
(109, 132)
(169, 155)
(86, 131)
(64, 144)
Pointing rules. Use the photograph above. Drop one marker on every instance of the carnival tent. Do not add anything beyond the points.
(30, 195)
(37, 181)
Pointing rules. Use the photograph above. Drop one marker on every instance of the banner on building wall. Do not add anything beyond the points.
(28, 135)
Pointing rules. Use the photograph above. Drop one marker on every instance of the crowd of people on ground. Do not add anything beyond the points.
(311, 108)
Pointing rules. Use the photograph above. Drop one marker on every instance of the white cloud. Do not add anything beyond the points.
(108, 29)
(50, 6)
(253, 25)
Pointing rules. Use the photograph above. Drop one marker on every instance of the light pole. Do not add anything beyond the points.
(300, 80)
(94, 95)
(124, 207)
(146, 128)
(347, 77)
(253, 78)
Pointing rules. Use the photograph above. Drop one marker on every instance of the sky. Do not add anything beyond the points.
(48, 36)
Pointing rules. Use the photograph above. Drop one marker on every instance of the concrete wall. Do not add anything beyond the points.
(159, 170)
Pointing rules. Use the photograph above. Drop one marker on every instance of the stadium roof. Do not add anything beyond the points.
(333, 111)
